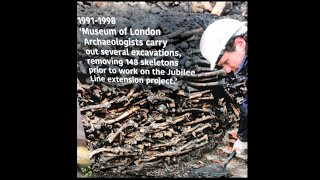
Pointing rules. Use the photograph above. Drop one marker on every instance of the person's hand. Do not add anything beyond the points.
(240, 147)
(83, 157)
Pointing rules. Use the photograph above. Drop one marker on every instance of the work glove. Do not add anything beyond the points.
(241, 148)
(83, 157)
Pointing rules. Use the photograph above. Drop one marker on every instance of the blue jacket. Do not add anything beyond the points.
(242, 74)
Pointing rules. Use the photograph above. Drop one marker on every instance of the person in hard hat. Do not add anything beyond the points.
(83, 158)
(224, 43)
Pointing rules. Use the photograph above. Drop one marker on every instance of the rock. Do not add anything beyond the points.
(218, 8)
(146, 7)
(187, 64)
(168, 3)
(183, 45)
(132, 3)
(154, 23)
(228, 7)
(155, 9)
(162, 5)
(170, 47)
(201, 6)
(82, 67)
(207, 6)
(100, 4)
(123, 22)
(184, 7)
(197, 7)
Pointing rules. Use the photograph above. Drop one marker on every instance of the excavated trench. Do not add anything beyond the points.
(150, 130)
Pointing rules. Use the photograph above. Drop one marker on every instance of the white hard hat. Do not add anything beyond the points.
(216, 36)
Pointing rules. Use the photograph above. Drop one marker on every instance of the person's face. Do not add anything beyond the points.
(231, 61)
